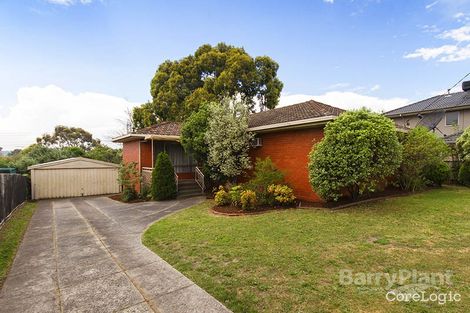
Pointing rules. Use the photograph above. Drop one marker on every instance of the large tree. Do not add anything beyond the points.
(193, 133)
(64, 136)
(211, 74)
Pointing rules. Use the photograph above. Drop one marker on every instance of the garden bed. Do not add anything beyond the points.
(347, 202)
(117, 197)
(236, 211)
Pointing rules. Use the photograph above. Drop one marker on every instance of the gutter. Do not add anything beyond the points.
(162, 137)
(126, 137)
(294, 124)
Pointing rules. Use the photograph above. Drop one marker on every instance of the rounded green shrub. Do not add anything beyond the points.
(359, 152)
(248, 200)
(163, 178)
(222, 197)
(464, 174)
(436, 173)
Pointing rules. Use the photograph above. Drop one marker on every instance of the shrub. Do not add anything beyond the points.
(228, 140)
(463, 145)
(248, 200)
(128, 195)
(464, 174)
(359, 151)
(128, 178)
(281, 194)
(163, 178)
(235, 194)
(436, 173)
(266, 173)
(222, 197)
(421, 148)
(145, 192)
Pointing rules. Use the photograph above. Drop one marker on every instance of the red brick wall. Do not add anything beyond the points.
(130, 152)
(289, 151)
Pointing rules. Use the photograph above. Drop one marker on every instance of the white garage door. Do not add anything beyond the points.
(75, 177)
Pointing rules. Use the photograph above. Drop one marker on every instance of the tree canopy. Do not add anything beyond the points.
(193, 133)
(64, 136)
(359, 151)
(210, 74)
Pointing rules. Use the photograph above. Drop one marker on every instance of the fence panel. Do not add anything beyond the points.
(14, 190)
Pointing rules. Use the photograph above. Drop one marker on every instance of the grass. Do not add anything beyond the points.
(11, 235)
(289, 261)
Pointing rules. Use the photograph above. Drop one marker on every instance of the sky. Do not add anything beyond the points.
(84, 63)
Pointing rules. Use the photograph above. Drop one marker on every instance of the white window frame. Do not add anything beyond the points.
(458, 118)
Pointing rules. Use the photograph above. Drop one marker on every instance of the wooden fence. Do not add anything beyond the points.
(14, 190)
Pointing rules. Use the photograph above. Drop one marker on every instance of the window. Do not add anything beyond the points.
(452, 118)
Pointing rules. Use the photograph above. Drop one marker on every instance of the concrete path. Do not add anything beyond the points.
(86, 255)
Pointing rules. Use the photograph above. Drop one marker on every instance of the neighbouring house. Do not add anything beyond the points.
(285, 134)
(446, 115)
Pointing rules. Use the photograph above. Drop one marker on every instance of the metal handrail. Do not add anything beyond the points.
(176, 180)
(199, 178)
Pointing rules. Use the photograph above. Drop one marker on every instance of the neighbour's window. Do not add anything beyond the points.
(452, 118)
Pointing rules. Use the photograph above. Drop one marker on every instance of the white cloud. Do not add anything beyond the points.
(69, 2)
(39, 109)
(431, 53)
(329, 1)
(458, 34)
(375, 87)
(446, 53)
(430, 5)
(429, 28)
(347, 100)
(339, 85)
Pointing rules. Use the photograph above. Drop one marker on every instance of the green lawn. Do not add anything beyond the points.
(11, 235)
(289, 261)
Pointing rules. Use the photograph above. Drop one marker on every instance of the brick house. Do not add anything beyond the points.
(284, 134)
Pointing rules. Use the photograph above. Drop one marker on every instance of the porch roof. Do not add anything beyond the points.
(166, 131)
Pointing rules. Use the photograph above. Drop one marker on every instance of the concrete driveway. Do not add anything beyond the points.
(85, 255)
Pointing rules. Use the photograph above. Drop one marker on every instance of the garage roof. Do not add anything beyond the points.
(74, 163)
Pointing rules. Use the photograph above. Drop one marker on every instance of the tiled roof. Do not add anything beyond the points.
(162, 128)
(446, 102)
(295, 112)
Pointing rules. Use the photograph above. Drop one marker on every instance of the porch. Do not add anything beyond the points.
(189, 178)
(143, 147)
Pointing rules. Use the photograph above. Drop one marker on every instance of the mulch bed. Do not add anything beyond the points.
(340, 204)
(236, 211)
(347, 202)
(117, 197)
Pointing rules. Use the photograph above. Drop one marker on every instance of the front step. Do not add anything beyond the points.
(188, 188)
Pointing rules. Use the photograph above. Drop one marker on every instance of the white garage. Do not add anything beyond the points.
(74, 177)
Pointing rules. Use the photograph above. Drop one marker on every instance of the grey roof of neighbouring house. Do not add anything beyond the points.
(300, 111)
(441, 102)
(451, 139)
